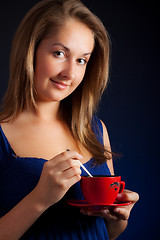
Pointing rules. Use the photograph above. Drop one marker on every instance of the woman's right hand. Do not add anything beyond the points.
(58, 175)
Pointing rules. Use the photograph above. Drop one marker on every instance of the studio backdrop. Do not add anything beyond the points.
(129, 107)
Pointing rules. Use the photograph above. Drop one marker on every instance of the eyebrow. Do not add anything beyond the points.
(67, 49)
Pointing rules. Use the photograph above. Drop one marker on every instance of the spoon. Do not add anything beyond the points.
(85, 169)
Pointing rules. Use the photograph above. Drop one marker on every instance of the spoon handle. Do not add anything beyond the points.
(82, 166)
(85, 169)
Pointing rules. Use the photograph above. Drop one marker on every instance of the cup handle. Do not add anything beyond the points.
(122, 186)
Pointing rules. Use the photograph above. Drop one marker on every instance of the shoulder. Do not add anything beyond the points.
(100, 130)
(97, 128)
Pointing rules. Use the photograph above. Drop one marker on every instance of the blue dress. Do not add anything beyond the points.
(19, 176)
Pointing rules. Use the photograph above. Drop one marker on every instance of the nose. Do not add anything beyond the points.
(68, 71)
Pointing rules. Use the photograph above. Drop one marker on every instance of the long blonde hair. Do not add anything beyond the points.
(78, 108)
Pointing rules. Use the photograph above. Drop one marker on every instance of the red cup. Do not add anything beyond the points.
(101, 189)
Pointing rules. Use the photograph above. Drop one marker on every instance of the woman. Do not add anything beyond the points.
(58, 71)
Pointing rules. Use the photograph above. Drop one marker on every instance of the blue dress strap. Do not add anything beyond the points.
(5, 149)
(97, 129)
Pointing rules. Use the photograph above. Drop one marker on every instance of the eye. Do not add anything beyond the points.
(82, 61)
(59, 54)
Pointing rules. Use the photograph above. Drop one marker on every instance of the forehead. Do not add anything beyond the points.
(73, 34)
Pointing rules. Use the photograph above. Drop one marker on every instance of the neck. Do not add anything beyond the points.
(47, 112)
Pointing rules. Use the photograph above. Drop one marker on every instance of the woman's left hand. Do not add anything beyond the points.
(116, 213)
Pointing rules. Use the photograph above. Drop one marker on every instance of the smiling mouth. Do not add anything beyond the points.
(60, 85)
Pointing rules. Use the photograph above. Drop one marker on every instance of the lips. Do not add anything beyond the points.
(60, 84)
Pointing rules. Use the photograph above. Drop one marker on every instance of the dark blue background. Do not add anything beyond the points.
(130, 106)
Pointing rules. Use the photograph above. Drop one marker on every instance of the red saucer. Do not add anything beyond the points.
(85, 204)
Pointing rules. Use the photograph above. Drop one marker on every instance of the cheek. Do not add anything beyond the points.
(42, 68)
(80, 76)
(43, 65)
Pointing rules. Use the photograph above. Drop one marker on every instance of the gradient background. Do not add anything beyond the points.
(130, 106)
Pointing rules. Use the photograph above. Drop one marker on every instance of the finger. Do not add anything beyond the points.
(105, 213)
(91, 213)
(121, 213)
(71, 181)
(63, 157)
(73, 154)
(65, 170)
(73, 171)
(67, 164)
(128, 195)
(109, 215)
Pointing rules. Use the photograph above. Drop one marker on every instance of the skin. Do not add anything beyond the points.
(60, 65)
(59, 68)
(116, 218)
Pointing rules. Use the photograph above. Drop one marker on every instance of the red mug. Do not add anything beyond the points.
(101, 189)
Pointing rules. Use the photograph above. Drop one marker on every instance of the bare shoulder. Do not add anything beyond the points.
(107, 146)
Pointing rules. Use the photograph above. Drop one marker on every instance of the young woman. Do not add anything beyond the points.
(58, 71)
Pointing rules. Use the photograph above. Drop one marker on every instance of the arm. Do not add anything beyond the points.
(115, 227)
(58, 175)
(116, 219)
(17, 221)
